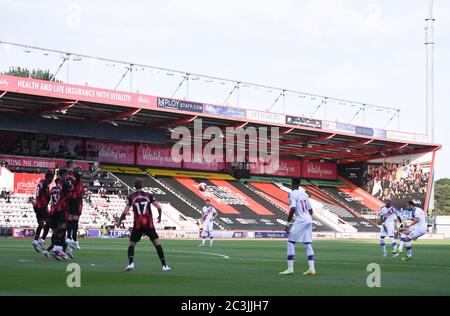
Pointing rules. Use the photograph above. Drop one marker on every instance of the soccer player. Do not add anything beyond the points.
(406, 216)
(58, 220)
(40, 206)
(209, 213)
(388, 215)
(140, 202)
(416, 229)
(74, 190)
(72, 182)
(301, 231)
(54, 197)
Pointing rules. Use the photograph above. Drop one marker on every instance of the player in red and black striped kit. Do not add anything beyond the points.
(140, 202)
(74, 191)
(71, 184)
(40, 206)
(58, 222)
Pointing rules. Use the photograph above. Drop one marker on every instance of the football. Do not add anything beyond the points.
(202, 187)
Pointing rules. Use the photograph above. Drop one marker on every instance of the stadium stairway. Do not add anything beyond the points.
(326, 219)
(321, 198)
(188, 213)
(239, 208)
(332, 192)
(318, 223)
(365, 197)
(346, 216)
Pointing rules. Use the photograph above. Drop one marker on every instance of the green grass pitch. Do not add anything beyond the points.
(231, 267)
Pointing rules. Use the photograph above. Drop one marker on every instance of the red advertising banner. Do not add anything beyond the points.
(285, 168)
(112, 152)
(43, 163)
(25, 183)
(319, 170)
(155, 156)
(75, 92)
(160, 156)
(206, 163)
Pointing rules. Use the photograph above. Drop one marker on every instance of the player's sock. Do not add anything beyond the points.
(393, 243)
(38, 232)
(310, 254)
(402, 242)
(160, 252)
(203, 240)
(130, 254)
(210, 241)
(46, 230)
(383, 245)
(69, 229)
(75, 230)
(60, 239)
(53, 242)
(408, 248)
(290, 255)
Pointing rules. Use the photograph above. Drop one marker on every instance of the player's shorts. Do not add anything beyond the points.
(416, 233)
(136, 234)
(41, 213)
(208, 226)
(59, 218)
(74, 206)
(388, 232)
(301, 232)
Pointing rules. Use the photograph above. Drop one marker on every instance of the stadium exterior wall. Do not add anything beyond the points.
(232, 235)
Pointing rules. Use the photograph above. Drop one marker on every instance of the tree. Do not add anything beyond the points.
(442, 196)
(25, 72)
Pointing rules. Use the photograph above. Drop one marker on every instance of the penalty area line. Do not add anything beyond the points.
(203, 253)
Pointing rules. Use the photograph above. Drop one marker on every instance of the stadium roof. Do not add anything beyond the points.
(299, 137)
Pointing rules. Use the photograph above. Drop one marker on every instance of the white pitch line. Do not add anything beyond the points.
(392, 263)
(203, 253)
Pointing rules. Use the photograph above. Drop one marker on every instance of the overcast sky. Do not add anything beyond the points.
(367, 51)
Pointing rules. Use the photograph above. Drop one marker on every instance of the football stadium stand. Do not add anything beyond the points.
(163, 194)
(322, 213)
(247, 205)
(98, 212)
(237, 210)
(127, 133)
(346, 216)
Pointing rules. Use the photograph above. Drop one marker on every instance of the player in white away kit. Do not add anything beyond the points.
(209, 213)
(415, 230)
(301, 231)
(388, 215)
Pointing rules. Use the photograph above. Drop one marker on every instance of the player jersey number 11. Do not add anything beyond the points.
(304, 206)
